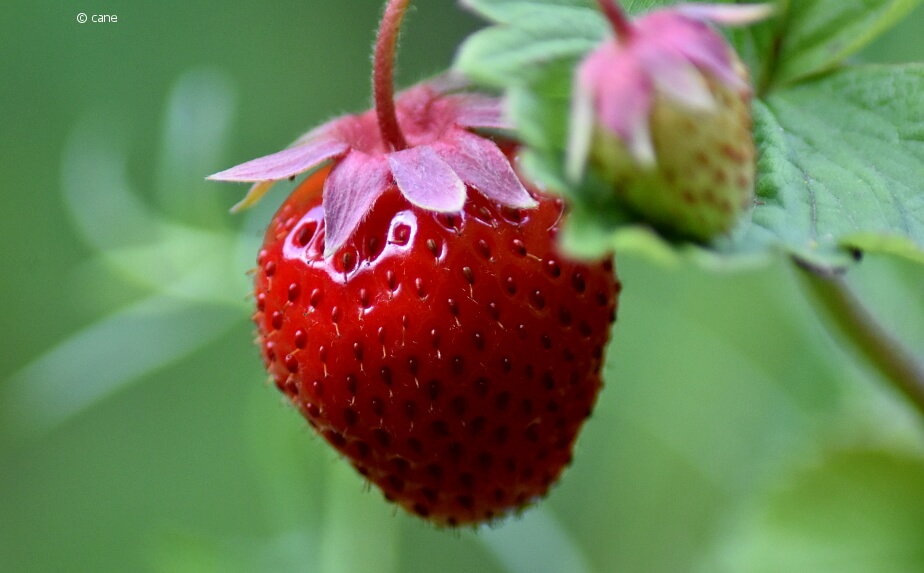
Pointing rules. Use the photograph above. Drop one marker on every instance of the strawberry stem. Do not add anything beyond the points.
(621, 23)
(857, 327)
(383, 74)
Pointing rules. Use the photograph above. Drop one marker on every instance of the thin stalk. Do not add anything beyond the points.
(618, 19)
(856, 326)
(383, 75)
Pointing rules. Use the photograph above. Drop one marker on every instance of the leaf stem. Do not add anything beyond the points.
(774, 51)
(621, 23)
(857, 326)
(383, 74)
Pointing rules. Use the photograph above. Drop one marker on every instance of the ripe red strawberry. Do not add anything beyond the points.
(672, 104)
(451, 358)
(412, 304)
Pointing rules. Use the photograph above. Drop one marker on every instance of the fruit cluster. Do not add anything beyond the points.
(411, 299)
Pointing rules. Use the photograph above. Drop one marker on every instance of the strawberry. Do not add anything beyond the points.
(672, 101)
(451, 358)
(412, 304)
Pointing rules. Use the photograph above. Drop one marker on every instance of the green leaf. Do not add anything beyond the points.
(813, 36)
(511, 11)
(104, 358)
(141, 243)
(502, 55)
(196, 125)
(94, 161)
(855, 512)
(841, 167)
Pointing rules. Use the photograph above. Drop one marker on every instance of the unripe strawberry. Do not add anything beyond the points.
(663, 111)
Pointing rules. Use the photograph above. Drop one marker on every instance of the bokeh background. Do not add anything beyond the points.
(137, 432)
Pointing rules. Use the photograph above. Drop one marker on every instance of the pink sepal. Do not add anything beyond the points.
(286, 163)
(349, 192)
(426, 180)
(481, 164)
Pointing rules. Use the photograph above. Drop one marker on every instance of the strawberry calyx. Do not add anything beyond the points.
(422, 142)
(666, 53)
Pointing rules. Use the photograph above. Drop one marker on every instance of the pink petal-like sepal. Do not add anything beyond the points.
(432, 172)
(581, 132)
(482, 112)
(670, 55)
(677, 78)
(622, 95)
(711, 56)
(426, 180)
(481, 164)
(727, 14)
(349, 192)
(286, 163)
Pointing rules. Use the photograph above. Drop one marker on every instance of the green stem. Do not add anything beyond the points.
(857, 326)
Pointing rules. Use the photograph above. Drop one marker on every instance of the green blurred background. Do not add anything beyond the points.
(137, 432)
